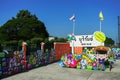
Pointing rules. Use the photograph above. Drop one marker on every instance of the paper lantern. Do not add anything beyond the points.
(78, 57)
(95, 68)
(61, 63)
(69, 55)
(78, 67)
(0, 73)
(89, 67)
(94, 64)
(22, 62)
(29, 66)
(0, 67)
(73, 63)
(62, 58)
(15, 69)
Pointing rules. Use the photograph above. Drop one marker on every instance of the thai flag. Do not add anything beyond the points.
(72, 18)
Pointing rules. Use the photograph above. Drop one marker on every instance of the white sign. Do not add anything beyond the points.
(85, 41)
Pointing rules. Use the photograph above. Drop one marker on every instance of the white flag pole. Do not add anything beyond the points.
(73, 26)
(101, 18)
(100, 25)
(73, 34)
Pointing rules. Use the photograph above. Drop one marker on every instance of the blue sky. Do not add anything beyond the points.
(56, 13)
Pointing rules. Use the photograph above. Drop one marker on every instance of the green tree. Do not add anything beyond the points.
(109, 42)
(24, 27)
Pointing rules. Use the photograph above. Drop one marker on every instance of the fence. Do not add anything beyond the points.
(29, 57)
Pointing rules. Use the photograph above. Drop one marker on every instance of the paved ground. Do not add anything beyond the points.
(55, 72)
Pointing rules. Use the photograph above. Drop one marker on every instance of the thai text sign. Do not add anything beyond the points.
(85, 41)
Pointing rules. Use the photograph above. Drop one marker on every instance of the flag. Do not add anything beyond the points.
(72, 18)
(101, 16)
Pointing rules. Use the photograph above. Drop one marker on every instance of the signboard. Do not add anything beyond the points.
(85, 41)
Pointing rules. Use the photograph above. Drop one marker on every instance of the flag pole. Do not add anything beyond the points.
(72, 18)
(100, 25)
(73, 35)
(101, 18)
(73, 26)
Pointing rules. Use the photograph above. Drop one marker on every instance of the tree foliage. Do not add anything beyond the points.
(24, 27)
(109, 42)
